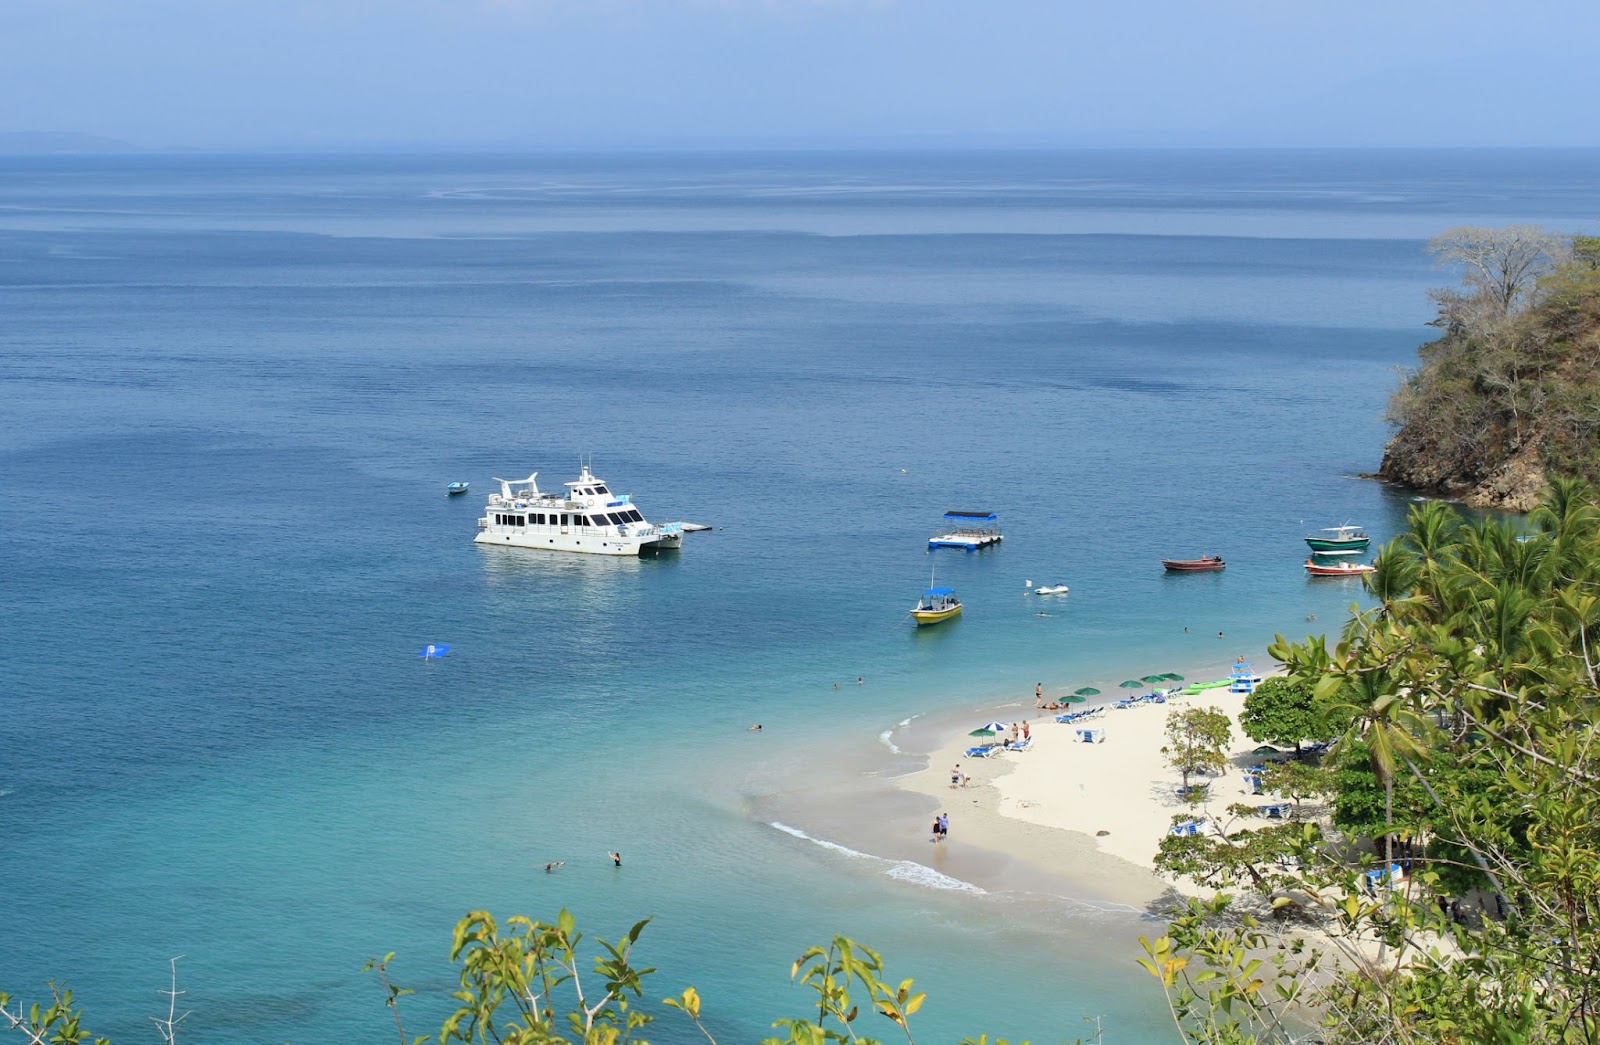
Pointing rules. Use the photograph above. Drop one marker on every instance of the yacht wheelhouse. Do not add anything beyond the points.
(588, 519)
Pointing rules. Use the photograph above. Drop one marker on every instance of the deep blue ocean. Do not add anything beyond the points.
(232, 390)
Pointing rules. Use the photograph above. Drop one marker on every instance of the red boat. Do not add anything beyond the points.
(1205, 562)
(1338, 569)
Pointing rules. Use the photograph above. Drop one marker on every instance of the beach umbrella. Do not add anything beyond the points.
(981, 733)
(1133, 684)
(1087, 691)
(1173, 676)
(1074, 699)
(995, 727)
(1153, 679)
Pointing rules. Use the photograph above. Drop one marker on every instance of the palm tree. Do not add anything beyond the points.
(1392, 729)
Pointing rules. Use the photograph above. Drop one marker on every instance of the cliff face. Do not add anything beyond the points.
(1502, 402)
(1512, 482)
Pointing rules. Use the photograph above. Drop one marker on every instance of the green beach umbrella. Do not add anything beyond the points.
(1153, 679)
(981, 733)
(1087, 691)
(1173, 676)
(1133, 684)
(1074, 699)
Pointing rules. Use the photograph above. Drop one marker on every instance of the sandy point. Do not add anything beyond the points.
(1091, 813)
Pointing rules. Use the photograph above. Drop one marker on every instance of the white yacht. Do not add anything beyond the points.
(588, 518)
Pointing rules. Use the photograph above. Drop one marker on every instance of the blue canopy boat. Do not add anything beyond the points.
(969, 530)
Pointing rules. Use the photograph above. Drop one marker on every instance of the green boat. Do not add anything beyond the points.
(1340, 540)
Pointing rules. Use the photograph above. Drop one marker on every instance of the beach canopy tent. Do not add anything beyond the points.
(1091, 736)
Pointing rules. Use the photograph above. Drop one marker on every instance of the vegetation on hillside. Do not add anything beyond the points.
(1509, 394)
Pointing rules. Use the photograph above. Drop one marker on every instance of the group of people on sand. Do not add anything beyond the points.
(1039, 701)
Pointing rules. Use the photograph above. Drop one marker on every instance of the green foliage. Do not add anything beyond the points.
(1281, 711)
(60, 1022)
(1296, 780)
(1472, 699)
(1197, 741)
(1586, 251)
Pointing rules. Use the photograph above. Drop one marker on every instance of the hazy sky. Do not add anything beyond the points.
(533, 73)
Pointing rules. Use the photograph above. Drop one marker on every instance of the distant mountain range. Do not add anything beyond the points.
(53, 143)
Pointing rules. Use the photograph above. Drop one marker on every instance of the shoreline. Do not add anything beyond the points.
(1027, 822)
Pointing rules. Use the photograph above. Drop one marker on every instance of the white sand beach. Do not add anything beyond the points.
(1104, 807)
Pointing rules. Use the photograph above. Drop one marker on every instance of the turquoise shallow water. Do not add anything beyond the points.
(235, 388)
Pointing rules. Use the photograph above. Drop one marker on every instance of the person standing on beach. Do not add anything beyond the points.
(944, 826)
(935, 829)
(1024, 729)
(955, 775)
(1014, 732)
(1038, 694)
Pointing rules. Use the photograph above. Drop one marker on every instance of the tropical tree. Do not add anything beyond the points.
(1198, 741)
(1281, 711)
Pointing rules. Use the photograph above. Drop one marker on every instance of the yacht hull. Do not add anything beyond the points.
(583, 545)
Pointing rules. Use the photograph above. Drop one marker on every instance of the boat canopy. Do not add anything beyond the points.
(940, 591)
(987, 516)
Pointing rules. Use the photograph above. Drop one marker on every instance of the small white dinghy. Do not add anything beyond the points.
(1051, 589)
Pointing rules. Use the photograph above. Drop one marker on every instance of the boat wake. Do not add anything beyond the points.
(902, 870)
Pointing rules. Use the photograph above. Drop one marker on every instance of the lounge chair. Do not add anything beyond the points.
(978, 752)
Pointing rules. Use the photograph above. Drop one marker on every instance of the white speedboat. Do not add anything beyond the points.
(1051, 589)
(588, 519)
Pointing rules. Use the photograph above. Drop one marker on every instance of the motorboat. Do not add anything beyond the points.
(456, 489)
(588, 518)
(968, 529)
(1340, 540)
(1338, 569)
(1205, 562)
(1051, 589)
(935, 606)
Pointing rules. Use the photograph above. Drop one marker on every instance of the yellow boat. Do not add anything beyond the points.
(936, 604)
